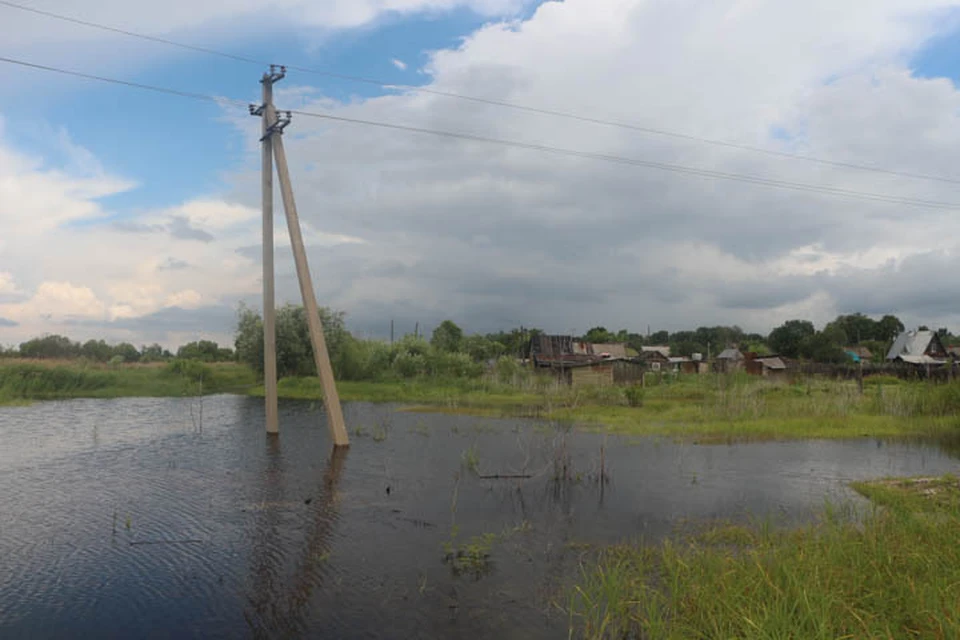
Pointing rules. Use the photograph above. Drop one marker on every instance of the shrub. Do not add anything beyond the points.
(409, 365)
(635, 395)
(192, 370)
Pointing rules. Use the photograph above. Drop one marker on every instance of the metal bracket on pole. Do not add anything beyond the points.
(278, 126)
(274, 75)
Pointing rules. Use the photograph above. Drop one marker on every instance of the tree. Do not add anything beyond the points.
(658, 338)
(821, 347)
(205, 350)
(447, 337)
(96, 350)
(480, 348)
(888, 328)
(50, 346)
(294, 349)
(787, 339)
(599, 334)
(153, 353)
(127, 352)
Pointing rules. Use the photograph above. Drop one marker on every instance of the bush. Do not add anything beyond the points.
(33, 381)
(409, 365)
(453, 365)
(192, 370)
(635, 395)
(506, 370)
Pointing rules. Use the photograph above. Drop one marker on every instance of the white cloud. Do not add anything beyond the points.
(417, 228)
(635, 245)
(399, 64)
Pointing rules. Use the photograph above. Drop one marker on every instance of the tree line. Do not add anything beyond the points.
(450, 352)
(57, 347)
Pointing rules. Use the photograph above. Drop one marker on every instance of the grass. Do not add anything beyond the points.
(707, 408)
(704, 408)
(22, 381)
(894, 573)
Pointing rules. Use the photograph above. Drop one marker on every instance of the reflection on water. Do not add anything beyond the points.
(137, 518)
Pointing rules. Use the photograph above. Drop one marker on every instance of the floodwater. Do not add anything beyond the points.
(179, 517)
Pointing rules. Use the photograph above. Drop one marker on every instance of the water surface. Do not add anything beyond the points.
(180, 518)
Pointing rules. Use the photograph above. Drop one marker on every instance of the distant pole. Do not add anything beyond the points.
(269, 302)
(391, 330)
(331, 398)
(416, 330)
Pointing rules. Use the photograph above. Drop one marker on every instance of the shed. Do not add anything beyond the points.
(729, 360)
(767, 367)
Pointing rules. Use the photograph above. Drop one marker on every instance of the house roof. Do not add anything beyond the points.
(860, 351)
(614, 349)
(910, 343)
(772, 363)
(662, 350)
(730, 354)
(923, 359)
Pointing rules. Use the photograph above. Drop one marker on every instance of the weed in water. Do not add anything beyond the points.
(471, 557)
(471, 460)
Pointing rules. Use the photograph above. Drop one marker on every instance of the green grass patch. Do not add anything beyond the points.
(895, 573)
(25, 381)
(706, 408)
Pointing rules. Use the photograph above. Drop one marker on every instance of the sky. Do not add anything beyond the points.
(135, 216)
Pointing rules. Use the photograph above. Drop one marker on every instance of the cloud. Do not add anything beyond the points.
(419, 228)
(483, 233)
(173, 264)
(399, 64)
(181, 229)
(7, 323)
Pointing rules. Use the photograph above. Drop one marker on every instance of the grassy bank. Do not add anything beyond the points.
(22, 381)
(893, 574)
(703, 408)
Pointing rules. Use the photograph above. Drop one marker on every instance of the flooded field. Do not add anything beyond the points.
(181, 518)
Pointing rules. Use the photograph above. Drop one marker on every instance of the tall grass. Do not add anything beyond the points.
(40, 381)
(895, 574)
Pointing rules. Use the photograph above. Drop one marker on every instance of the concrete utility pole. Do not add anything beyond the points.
(269, 301)
(331, 398)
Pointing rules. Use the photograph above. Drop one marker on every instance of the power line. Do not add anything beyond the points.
(126, 83)
(489, 101)
(675, 168)
(707, 173)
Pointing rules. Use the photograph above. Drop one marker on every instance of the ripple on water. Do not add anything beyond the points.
(131, 518)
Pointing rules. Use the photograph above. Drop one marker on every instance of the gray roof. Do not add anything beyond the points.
(615, 349)
(920, 360)
(730, 354)
(664, 350)
(910, 343)
(772, 363)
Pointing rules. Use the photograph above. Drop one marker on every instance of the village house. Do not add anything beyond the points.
(918, 348)
(729, 361)
(772, 366)
(577, 362)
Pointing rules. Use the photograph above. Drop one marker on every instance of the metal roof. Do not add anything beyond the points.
(730, 354)
(772, 363)
(910, 343)
(921, 360)
(664, 351)
(615, 349)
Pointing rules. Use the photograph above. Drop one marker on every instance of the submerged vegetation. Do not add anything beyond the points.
(894, 573)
